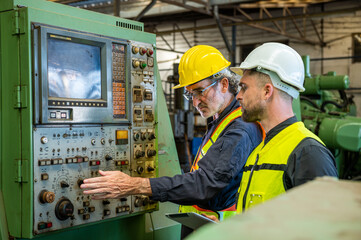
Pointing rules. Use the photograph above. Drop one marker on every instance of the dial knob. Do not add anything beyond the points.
(144, 135)
(136, 136)
(139, 154)
(44, 140)
(64, 184)
(151, 152)
(108, 157)
(64, 209)
(138, 202)
(102, 141)
(140, 170)
(151, 136)
(46, 197)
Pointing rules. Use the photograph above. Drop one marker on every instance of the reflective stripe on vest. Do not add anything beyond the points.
(263, 173)
(202, 152)
(221, 126)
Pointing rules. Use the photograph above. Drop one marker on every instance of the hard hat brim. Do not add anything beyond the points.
(237, 70)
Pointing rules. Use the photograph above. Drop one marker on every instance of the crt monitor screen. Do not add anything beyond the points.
(74, 69)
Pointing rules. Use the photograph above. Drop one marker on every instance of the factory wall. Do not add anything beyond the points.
(336, 31)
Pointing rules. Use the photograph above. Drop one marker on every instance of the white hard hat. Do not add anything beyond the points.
(278, 58)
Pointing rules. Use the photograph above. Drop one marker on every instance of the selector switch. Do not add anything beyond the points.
(151, 152)
(139, 154)
(108, 157)
(136, 136)
(46, 197)
(44, 140)
(140, 169)
(64, 184)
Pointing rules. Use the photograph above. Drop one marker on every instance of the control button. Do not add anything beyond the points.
(142, 51)
(86, 159)
(91, 209)
(44, 140)
(94, 163)
(86, 204)
(86, 216)
(64, 209)
(135, 49)
(135, 63)
(81, 211)
(106, 212)
(64, 184)
(44, 176)
(44, 225)
(46, 196)
(143, 65)
(149, 52)
(108, 157)
(52, 114)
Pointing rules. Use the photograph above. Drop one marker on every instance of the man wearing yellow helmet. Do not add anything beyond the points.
(212, 184)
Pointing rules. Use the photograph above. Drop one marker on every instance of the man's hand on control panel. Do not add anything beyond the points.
(115, 184)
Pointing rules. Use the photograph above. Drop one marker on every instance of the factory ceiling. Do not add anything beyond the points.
(223, 13)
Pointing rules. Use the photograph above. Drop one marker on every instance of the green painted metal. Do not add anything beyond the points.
(341, 133)
(16, 17)
(327, 112)
(4, 235)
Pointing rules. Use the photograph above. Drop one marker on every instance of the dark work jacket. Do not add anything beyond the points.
(214, 185)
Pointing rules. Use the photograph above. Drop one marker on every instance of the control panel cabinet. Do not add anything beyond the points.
(70, 146)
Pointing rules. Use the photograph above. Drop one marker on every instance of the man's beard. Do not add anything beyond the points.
(252, 114)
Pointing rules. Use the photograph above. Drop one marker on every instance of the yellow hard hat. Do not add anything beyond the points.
(198, 63)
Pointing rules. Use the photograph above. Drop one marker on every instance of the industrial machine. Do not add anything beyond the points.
(329, 113)
(79, 93)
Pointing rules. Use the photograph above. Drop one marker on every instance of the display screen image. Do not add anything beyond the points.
(74, 69)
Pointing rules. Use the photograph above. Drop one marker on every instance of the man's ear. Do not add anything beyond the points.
(268, 91)
(224, 85)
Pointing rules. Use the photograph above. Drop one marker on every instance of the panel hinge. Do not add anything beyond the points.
(18, 21)
(21, 167)
(20, 97)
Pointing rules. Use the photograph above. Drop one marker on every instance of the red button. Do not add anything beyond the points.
(49, 224)
(98, 163)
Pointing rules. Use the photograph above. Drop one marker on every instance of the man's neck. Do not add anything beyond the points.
(276, 113)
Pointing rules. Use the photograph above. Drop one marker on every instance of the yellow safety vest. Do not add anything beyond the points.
(202, 152)
(263, 173)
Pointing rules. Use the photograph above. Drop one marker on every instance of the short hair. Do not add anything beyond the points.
(263, 79)
(233, 80)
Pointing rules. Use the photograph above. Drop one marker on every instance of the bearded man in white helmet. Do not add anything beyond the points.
(290, 154)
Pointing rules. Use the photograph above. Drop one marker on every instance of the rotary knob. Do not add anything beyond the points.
(139, 154)
(64, 209)
(64, 184)
(140, 170)
(44, 140)
(151, 152)
(46, 197)
(136, 136)
(108, 157)
(138, 202)
(151, 136)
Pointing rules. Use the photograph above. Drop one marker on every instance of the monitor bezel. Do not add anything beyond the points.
(80, 114)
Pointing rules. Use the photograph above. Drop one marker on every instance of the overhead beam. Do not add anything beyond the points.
(145, 10)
